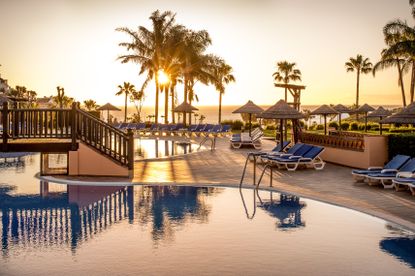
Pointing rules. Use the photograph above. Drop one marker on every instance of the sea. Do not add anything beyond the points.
(211, 113)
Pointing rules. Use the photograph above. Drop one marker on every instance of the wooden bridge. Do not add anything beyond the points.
(61, 131)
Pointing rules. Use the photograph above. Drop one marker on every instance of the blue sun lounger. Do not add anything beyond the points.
(393, 165)
(311, 157)
(405, 182)
(277, 149)
(385, 177)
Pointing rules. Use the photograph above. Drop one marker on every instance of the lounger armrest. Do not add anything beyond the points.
(374, 168)
(405, 174)
(388, 170)
(295, 157)
(285, 154)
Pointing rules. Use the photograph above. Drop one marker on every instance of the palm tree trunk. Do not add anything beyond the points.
(125, 108)
(357, 93)
(185, 97)
(156, 108)
(286, 94)
(166, 104)
(172, 103)
(412, 81)
(401, 82)
(220, 107)
(190, 113)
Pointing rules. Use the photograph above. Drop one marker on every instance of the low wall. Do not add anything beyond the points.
(375, 153)
(89, 162)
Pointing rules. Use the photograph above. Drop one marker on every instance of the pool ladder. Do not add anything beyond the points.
(212, 142)
(266, 166)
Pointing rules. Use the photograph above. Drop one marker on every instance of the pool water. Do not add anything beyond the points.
(171, 230)
(148, 148)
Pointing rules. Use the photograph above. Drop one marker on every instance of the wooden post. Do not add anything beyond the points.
(130, 152)
(74, 127)
(5, 114)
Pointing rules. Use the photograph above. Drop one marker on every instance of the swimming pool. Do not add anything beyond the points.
(148, 148)
(158, 230)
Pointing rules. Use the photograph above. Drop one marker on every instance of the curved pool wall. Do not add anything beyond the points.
(152, 148)
(187, 230)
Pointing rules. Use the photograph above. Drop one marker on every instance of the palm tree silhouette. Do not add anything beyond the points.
(90, 105)
(286, 72)
(223, 75)
(126, 89)
(361, 66)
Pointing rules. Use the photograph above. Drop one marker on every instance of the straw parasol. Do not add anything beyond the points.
(381, 113)
(108, 107)
(341, 109)
(405, 116)
(365, 109)
(185, 107)
(324, 110)
(249, 108)
(282, 111)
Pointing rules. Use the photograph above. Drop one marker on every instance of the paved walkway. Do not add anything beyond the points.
(223, 167)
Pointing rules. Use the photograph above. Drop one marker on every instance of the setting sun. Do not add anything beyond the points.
(162, 77)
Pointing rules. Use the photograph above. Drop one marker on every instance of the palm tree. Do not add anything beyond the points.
(126, 89)
(223, 75)
(137, 97)
(286, 72)
(60, 99)
(90, 105)
(361, 66)
(147, 46)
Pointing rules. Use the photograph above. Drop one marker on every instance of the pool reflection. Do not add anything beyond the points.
(156, 148)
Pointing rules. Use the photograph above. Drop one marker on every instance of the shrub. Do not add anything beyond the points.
(401, 144)
(402, 130)
(236, 124)
(270, 127)
(354, 126)
(334, 125)
(361, 127)
(320, 127)
(345, 126)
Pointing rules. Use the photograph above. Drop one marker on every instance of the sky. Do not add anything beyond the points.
(73, 44)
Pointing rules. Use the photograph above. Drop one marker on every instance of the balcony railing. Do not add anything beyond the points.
(355, 143)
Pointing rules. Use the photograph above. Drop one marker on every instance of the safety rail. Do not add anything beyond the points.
(355, 143)
(74, 124)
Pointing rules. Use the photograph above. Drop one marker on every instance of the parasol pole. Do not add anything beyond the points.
(325, 124)
(250, 124)
(281, 132)
(365, 121)
(380, 125)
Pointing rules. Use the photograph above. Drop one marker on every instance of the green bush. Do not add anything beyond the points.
(345, 126)
(354, 126)
(334, 125)
(401, 144)
(320, 127)
(270, 127)
(361, 127)
(402, 130)
(236, 124)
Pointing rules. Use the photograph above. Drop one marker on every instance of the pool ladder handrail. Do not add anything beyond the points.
(254, 171)
(208, 138)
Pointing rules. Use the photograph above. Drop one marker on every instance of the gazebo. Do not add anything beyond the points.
(249, 108)
(282, 111)
(365, 109)
(380, 113)
(184, 108)
(108, 107)
(341, 109)
(324, 110)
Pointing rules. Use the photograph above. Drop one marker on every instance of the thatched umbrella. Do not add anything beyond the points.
(324, 110)
(405, 116)
(282, 111)
(341, 109)
(108, 107)
(365, 109)
(185, 107)
(249, 108)
(381, 113)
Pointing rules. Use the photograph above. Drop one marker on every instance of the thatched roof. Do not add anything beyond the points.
(108, 106)
(249, 108)
(324, 110)
(406, 116)
(380, 112)
(364, 108)
(185, 107)
(342, 109)
(281, 110)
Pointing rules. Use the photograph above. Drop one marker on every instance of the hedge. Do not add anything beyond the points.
(401, 144)
(236, 125)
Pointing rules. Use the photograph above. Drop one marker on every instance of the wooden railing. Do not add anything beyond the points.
(343, 142)
(74, 124)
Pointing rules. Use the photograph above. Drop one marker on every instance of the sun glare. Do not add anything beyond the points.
(162, 77)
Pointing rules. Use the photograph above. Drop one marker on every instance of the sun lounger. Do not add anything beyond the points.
(245, 139)
(396, 162)
(404, 181)
(277, 149)
(386, 176)
(225, 129)
(311, 157)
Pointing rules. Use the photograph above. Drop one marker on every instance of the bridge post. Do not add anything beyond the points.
(130, 153)
(5, 114)
(74, 127)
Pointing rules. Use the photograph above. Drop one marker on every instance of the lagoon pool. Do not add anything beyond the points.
(149, 148)
(175, 230)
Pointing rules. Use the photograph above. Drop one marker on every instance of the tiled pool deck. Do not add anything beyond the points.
(223, 167)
